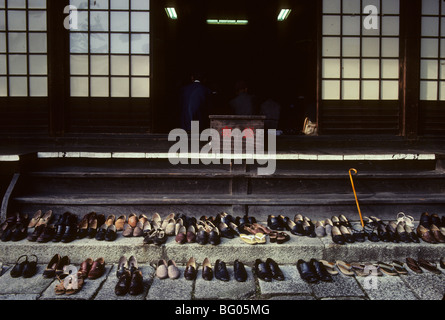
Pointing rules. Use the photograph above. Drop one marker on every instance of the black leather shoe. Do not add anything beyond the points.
(207, 272)
(123, 284)
(262, 270)
(275, 270)
(358, 233)
(71, 230)
(221, 272)
(17, 270)
(47, 234)
(202, 237)
(20, 232)
(402, 234)
(391, 228)
(337, 236)
(101, 232)
(111, 234)
(309, 228)
(30, 268)
(136, 283)
(190, 269)
(226, 232)
(306, 272)
(214, 237)
(240, 271)
(425, 220)
(60, 226)
(274, 223)
(320, 270)
(347, 234)
(371, 233)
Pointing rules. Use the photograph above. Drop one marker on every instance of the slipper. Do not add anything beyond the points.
(344, 268)
(329, 266)
(282, 237)
(248, 238)
(430, 266)
(387, 269)
(260, 238)
(359, 269)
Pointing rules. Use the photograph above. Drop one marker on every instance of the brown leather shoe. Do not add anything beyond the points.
(97, 269)
(120, 222)
(181, 237)
(110, 220)
(207, 271)
(440, 238)
(191, 234)
(85, 268)
(430, 266)
(35, 219)
(132, 220)
(425, 234)
(413, 265)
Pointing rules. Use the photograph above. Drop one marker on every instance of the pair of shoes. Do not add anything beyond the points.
(417, 266)
(166, 269)
(278, 237)
(91, 269)
(135, 227)
(340, 221)
(15, 228)
(66, 228)
(24, 268)
(156, 236)
(268, 270)
(130, 277)
(408, 220)
(431, 235)
(228, 229)
(304, 226)
(313, 271)
(39, 218)
(108, 230)
(277, 223)
(42, 230)
(95, 221)
(220, 272)
(84, 227)
(342, 234)
(55, 266)
(69, 281)
(257, 238)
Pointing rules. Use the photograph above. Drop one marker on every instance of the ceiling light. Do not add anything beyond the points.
(284, 13)
(171, 12)
(227, 22)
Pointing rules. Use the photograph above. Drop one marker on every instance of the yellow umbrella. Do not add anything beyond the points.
(352, 170)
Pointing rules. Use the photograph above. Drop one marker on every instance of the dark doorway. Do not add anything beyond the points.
(275, 58)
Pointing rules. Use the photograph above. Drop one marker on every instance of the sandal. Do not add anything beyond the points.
(360, 269)
(248, 238)
(430, 266)
(329, 266)
(345, 268)
(399, 267)
(401, 217)
(261, 238)
(387, 269)
(282, 237)
(30, 268)
(18, 268)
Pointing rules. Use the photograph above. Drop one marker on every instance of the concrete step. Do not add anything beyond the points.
(298, 247)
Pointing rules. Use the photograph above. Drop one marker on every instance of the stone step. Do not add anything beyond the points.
(298, 247)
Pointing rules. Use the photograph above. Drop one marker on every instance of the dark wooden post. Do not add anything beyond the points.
(410, 26)
(58, 66)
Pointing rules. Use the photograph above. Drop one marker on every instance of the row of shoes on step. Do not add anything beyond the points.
(14, 228)
(130, 278)
(299, 226)
(169, 270)
(431, 228)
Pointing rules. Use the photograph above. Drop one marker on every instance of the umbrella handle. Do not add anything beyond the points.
(352, 170)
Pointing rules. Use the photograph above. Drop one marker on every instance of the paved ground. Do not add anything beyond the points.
(426, 286)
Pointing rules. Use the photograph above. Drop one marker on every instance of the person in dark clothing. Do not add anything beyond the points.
(194, 102)
(244, 102)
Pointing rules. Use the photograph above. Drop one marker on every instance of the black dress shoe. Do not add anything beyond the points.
(275, 270)
(425, 220)
(337, 236)
(207, 271)
(240, 271)
(123, 284)
(221, 272)
(382, 233)
(347, 234)
(371, 233)
(136, 283)
(70, 230)
(47, 234)
(30, 268)
(190, 270)
(111, 234)
(320, 270)
(309, 228)
(226, 232)
(20, 232)
(306, 272)
(262, 270)
(274, 223)
(100, 234)
(17, 270)
(214, 237)
(358, 233)
(202, 237)
(391, 228)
